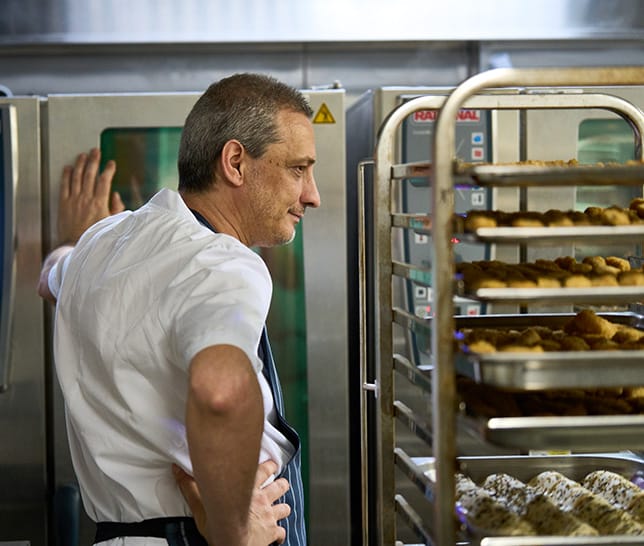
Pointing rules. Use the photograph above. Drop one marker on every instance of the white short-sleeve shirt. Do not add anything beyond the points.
(140, 295)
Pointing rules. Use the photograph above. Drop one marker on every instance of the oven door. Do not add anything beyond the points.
(590, 136)
(25, 477)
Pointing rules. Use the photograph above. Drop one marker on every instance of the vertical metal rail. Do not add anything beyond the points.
(386, 522)
(8, 177)
(366, 386)
(523, 192)
(444, 399)
(385, 155)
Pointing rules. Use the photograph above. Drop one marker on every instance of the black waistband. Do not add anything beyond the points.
(155, 528)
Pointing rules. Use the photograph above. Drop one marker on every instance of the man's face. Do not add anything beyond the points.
(280, 182)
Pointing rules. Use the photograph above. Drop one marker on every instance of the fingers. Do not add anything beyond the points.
(91, 170)
(280, 536)
(104, 180)
(190, 491)
(277, 489)
(76, 184)
(65, 183)
(83, 177)
(281, 511)
(264, 471)
(84, 196)
(186, 484)
(116, 203)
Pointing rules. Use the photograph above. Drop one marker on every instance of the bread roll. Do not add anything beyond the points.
(588, 322)
(631, 278)
(619, 263)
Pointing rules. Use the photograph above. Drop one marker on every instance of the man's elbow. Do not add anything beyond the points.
(223, 389)
(43, 288)
(50, 262)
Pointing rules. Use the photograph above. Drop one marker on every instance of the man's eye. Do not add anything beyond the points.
(299, 168)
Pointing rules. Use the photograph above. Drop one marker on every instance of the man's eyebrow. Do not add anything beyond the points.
(304, 159)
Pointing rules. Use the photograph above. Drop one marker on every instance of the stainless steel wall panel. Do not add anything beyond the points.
(24, 484)
(530, 54)
(165, 68)
(146, 21)
(362, 67)
(325, 256)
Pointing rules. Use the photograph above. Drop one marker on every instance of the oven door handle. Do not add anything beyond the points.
(9, 179)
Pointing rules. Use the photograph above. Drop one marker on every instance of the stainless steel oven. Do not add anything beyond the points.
(307, 321)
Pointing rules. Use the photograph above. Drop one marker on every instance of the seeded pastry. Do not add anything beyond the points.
(484, 513)
(536, 508)
(585, 505)
(618, 491)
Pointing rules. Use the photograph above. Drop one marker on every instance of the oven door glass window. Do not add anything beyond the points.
(146, 161)
(605, 141)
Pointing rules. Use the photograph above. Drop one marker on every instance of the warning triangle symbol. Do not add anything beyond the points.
(324, 115)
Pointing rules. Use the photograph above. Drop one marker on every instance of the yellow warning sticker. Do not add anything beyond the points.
(324, 115)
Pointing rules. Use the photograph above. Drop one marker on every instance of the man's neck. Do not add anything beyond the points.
(214, 211)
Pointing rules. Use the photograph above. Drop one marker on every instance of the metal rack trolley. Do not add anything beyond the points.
(439, 430)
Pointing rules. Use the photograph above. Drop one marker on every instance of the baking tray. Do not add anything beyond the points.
(534, 371)
(600, 235)
(575, 467)
(535, 175)
(593, 295)
(592, 433)
(587, 433)
(556, 369)
(524, 320)
(523, 468)
(548, 370)
(597, 234)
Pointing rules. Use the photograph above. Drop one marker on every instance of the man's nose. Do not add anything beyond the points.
(311, 196)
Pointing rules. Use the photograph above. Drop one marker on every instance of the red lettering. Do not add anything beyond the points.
(429, 116)
(425, 115)
(468, 115)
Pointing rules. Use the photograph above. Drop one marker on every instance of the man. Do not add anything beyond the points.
(159, 343)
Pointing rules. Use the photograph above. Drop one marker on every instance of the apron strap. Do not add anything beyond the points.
(178, 531)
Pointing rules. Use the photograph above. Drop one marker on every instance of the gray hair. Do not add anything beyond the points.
(241, 107)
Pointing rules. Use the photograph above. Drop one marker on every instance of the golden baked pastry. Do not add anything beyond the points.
(584, 331)
(588, 322)
(631, 278)
(613, 215)
(619, 263)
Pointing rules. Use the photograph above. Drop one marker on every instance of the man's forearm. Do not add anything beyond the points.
(225, 422)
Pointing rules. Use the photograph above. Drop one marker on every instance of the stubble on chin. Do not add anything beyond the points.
(291, 238)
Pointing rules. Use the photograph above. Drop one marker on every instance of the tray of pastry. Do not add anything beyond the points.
(599, 235)
(577, 419)
(552, 173)
(596, 279)
(562, 500)
(545, 296)
(540, 351)
(604, 225)
(589, 433)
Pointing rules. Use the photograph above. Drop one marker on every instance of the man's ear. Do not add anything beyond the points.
(231, 158)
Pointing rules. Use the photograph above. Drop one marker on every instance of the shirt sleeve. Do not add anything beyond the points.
(56, 275)
(223, 302)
